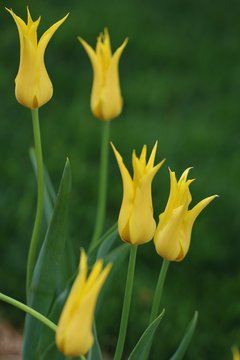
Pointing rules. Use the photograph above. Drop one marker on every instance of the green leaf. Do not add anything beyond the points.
(146, 339)
(52, 353)
(69, 261)
(118, 254)
(103, 245)
(181, 350)
(95, 352)
(46, 277)
(107, 242)
(69, 266)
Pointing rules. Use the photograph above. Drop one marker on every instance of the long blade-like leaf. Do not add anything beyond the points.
(145, 340)
(107, 243)
(184, 344)
(48, 267)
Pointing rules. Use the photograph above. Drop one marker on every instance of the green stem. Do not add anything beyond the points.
(102, 191)
(29, 311)
(157, 300)
(126, 303)
(40, 198)
(158, 291)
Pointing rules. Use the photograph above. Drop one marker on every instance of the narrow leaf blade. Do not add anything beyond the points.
(146, 339)
(184, 344)
(48, 266)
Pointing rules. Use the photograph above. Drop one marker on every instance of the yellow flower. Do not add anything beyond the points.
(33, 88)
(173, 234)
(74, 333)
(136, 224)
(235, 352)
(106, 99)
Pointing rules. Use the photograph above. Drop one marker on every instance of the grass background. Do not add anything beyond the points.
(180, 79)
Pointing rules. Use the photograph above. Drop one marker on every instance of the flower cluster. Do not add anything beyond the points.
(136, 222)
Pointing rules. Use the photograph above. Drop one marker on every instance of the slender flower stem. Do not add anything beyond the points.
(126, 303)
(40, 198)
(158, 291)
(157, 300)
(29, 311)
(102, 191)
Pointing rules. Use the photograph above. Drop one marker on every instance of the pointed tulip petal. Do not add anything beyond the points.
(111, 96)
(193, 213)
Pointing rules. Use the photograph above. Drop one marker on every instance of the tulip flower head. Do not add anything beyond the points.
(74, 333)
(106, 99)
(173, 234)
(33, 87)
(136, 223)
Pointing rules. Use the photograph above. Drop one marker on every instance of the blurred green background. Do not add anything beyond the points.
(180, 79)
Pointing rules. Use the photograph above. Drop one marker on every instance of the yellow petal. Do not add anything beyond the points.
(194, 212)
(32, 28)
(172, 196)
(151, 159)
(138, 165)
(46, 37)
(128, 196)
(97, 79)
(111, 99)
(127, 180)
(103, 50)
(184, 175)
(141, 223)
(166, 238)
(73, 299)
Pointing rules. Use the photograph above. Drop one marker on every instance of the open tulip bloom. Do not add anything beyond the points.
(33, 87)
(173, 234)
(136, 223)
(106, 99)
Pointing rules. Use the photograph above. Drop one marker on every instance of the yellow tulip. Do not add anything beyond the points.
(173, 234)
(33, 88)
(74, 332)
(106, 99)
(136, 223)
